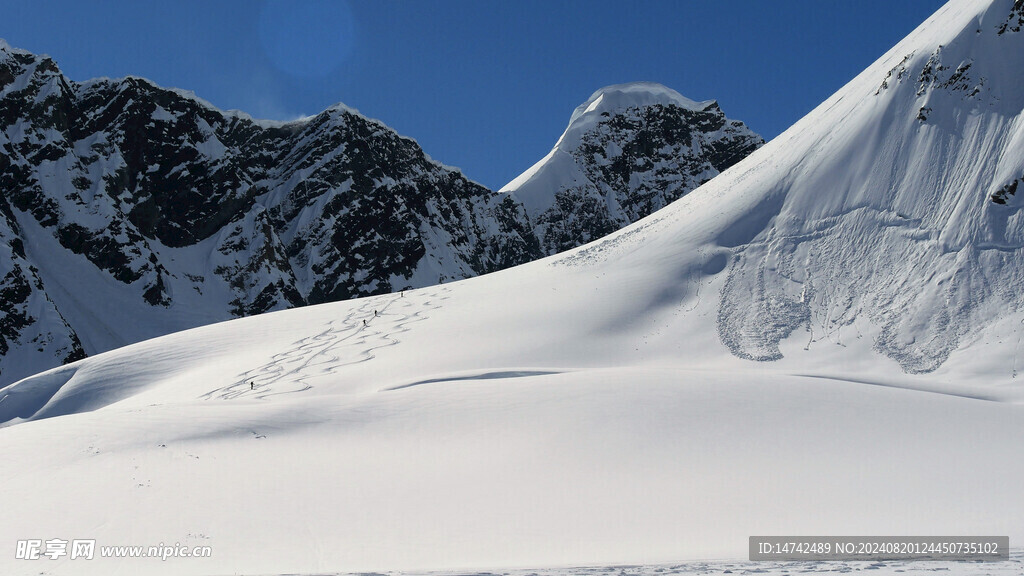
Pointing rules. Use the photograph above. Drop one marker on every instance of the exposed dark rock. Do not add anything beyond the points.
(630, 162)
(1003, 195)
(1015, 21)
(173, 198)
(178, 214)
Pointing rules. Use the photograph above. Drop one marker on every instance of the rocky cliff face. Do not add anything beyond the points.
(184, 214)
(630, 150)
(128, 211)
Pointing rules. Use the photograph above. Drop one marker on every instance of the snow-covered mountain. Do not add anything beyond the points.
(629, 150)
(823, 339)
(889, 212)
(129, 211)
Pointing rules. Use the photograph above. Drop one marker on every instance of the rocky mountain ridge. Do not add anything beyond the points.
(629, 151)
(128, 210)
(187, 215)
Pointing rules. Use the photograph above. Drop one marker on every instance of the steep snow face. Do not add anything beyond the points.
(895, 201)
(629, 150)
(889, 215)
(582, 408)
(33, 334)
(180, 214)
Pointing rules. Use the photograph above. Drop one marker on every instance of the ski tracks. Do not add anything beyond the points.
(340, 342)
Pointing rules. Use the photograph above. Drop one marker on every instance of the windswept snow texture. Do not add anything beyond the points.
(630, 150)
(893, 202)
(581, 409)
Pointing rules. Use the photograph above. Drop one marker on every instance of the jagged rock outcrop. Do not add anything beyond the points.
(129, 211)
(629, 150)
(120, 190)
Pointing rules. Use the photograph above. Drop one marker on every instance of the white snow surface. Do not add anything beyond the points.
(599, 407)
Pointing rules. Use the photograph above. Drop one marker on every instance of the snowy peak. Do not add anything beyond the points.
(621, 97)
(7, 51)
(618, 98)
(21, 70)
(629, 150)
(633, 95)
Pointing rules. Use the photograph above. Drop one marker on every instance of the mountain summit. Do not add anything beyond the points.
(629, 150)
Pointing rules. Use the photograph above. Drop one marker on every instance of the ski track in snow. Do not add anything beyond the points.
(350, 340)
(1016, 351)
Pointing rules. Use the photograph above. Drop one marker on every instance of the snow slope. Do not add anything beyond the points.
(603, 405)
(890, 215)
(453, 432)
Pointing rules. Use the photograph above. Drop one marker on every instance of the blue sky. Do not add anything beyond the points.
(484, 85)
